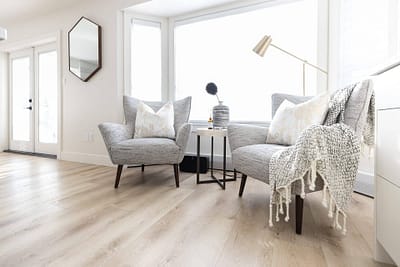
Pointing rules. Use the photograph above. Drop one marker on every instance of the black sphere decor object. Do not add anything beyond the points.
(212, 88)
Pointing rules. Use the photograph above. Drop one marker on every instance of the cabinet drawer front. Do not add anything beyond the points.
(388, 217)
(388, 145)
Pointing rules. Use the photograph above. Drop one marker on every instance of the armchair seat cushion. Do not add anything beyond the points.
(253, 160)
(146, 151)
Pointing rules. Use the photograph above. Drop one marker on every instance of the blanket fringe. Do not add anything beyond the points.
(270, 213)
(336, 222)
(287, 189)
(303, 192)
(344, 223)
(313, 175)
(283, 197)
(277, 213)
(280, 205)
(324, 193)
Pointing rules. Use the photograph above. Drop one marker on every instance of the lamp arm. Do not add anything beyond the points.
(300, 59)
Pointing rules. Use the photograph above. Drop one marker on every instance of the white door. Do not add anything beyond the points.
(34, 100)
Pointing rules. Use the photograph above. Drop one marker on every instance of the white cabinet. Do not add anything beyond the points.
(388, 218)
(387, 182)
(388, 145)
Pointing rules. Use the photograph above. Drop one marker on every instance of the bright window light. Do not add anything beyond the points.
(370, 37)
(146, 60)
(219, 50)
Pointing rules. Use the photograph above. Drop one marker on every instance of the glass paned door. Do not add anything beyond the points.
(21, 93)
(34, 100)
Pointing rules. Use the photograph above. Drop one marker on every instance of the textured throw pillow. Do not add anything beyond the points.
(154, 124)
(290, 119)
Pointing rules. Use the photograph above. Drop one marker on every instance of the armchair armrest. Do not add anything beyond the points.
(182, 136)
(243, 135)
(114, 133)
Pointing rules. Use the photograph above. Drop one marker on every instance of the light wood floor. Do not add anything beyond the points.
(68, 214)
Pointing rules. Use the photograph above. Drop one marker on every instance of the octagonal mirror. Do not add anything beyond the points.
(84, 48)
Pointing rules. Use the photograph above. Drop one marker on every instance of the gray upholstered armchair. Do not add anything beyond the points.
(251, 155)
(126, 150)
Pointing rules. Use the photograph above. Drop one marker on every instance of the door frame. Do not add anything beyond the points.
(52, 37)
(17, 144)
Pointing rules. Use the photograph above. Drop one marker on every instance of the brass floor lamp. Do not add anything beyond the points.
(266, 41)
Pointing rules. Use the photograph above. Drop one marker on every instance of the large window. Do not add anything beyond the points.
(146, 76)
(370, 37)
(219, 50)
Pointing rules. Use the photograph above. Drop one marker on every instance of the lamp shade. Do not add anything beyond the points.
(262, 45)
(3, 34)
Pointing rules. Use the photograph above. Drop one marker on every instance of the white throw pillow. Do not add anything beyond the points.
(151, 124)
(291, 120)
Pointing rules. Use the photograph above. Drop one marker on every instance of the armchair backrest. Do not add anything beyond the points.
(356, 111)
(181, 110)
(277, 100)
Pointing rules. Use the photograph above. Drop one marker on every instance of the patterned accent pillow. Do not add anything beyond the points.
(154, 124)
(291, 120)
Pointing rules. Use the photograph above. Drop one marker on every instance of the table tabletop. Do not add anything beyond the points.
(211, 132)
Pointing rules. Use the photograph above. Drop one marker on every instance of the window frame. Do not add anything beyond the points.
(168, 42)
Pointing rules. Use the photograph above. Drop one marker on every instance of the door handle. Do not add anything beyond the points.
(30, 108)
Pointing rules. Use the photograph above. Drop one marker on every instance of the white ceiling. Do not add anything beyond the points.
(171, 8)
(12, 11)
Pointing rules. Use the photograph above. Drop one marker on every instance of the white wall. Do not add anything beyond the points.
(84, 105)
(3, 102)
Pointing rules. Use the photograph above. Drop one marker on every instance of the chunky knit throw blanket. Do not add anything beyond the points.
(332, 150)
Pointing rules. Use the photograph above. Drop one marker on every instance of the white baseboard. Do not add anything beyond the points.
(95, 159)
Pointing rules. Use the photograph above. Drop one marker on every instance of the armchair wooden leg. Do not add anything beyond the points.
(119, 171)
(299, 214)
(176, 172)
(242, 184)
(142, 167)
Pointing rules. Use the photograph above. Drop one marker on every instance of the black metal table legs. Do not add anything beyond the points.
(220, 182)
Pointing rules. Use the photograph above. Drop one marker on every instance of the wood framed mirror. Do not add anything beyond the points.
(84, 49)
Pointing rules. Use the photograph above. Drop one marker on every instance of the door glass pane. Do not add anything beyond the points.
(21, 78)
(47, 107)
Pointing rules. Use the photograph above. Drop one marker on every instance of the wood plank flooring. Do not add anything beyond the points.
(57, 213)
